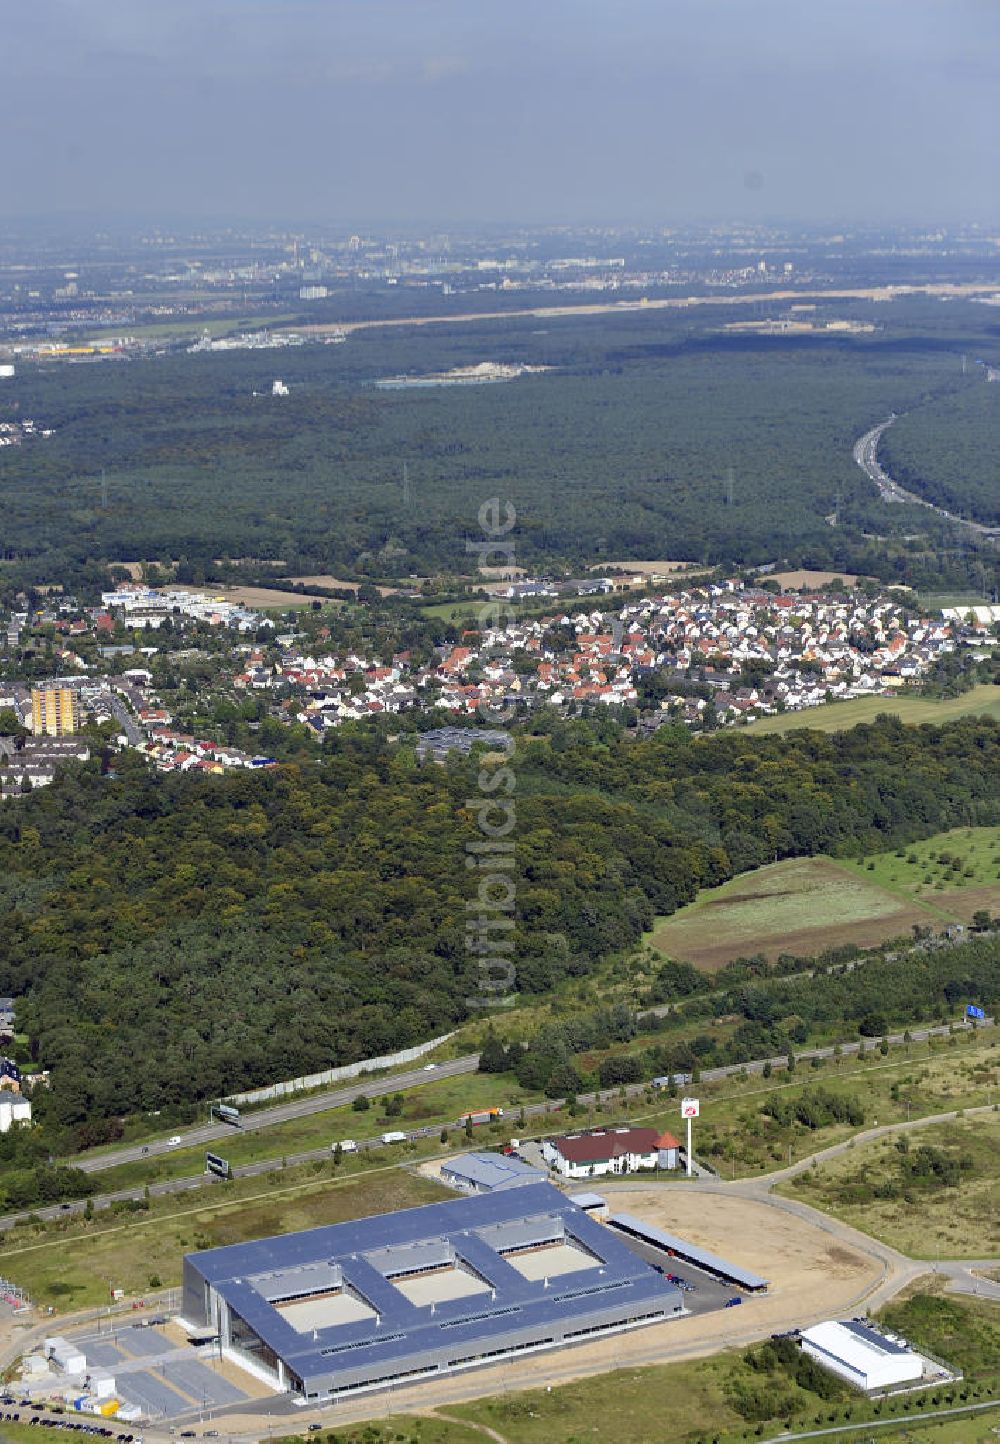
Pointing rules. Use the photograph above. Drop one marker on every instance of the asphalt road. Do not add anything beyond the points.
(280, 1113)
(129, 726)
(397, 1083)
(414, 1078)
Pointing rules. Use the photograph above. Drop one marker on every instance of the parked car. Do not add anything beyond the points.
(731, 1303)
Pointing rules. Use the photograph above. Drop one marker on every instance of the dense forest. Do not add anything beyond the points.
(650, 435)
(174, 936)
(779, 1008)
(946, 450)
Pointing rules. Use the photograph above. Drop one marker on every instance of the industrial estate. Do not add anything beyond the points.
(500, 723)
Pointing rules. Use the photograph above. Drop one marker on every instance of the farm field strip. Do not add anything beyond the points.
(800, 906)
(839, 716)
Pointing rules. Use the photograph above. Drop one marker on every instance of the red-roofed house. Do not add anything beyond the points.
(610, 1150)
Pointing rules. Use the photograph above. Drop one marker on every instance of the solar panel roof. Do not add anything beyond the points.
(470, 1226)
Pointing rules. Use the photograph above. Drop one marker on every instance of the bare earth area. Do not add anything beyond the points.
(798, 580)
(259, 597)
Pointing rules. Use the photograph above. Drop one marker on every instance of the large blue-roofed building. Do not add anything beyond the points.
(409, 1295)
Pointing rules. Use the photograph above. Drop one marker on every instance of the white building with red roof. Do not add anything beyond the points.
(610, 1150)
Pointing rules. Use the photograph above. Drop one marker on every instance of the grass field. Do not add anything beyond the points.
(839, 716)
(957, 870)
(77, 1264)
(925, 1217)
(800, 906)
(740, 1138)
(698, 1401)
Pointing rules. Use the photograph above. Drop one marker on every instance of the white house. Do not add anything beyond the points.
(13, 1109)
(610, 1150)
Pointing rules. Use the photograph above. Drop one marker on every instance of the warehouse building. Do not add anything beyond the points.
(412, 1295)
(860, 1354)
(486, 1172)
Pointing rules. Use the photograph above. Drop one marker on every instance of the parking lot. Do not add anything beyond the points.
(163, 1376)
(703, 1294)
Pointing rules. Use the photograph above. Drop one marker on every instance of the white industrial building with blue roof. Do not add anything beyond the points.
(415, 1294)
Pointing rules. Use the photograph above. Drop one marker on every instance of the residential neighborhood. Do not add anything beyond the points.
(164, 665)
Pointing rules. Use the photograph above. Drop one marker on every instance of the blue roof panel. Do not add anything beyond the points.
(402, 1328)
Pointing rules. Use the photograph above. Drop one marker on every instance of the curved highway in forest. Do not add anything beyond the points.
(866, 455)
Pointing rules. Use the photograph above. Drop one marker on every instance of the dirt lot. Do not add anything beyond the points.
(809, 1272)
(660, 568)
(259, 597)
(964, 902)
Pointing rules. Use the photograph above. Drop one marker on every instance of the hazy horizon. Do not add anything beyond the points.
(366, 112)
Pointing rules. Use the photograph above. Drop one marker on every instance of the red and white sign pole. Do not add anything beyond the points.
(690, 1108)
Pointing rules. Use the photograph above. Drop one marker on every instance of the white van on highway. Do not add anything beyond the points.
(395, 1137)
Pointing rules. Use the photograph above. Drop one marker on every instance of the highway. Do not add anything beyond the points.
(466, 1064)
(281, 1113)
(866, 456)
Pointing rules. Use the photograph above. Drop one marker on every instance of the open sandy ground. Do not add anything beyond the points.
(259, 597)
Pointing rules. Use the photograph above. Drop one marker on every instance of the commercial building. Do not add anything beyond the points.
(862, 1355)
(416, 1294)
(486, 1172)
(610, 1150)
(55, 711)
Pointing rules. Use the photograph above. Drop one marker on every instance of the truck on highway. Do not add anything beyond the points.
(394, 1137)
(481, 1115)
(346, 1145)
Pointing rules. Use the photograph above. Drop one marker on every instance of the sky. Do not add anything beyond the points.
(453, 112)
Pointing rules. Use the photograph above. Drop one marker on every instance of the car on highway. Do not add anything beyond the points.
(173, 1142)
(429, 1067)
